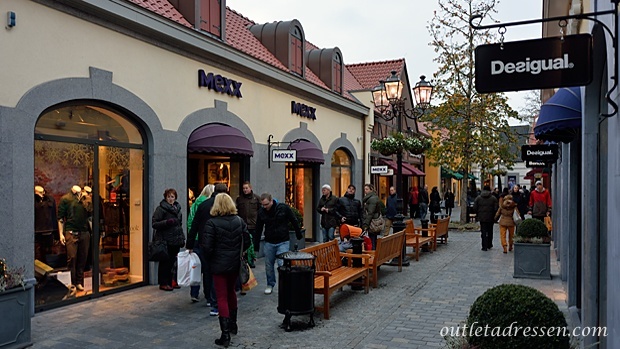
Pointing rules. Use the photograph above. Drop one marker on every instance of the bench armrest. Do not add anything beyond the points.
(364, 256)
(322, 273)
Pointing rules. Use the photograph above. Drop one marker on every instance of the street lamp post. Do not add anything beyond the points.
(388, 100)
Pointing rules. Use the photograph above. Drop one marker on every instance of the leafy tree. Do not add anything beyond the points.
(473, 127)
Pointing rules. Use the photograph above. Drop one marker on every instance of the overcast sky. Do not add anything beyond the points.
(365, 32)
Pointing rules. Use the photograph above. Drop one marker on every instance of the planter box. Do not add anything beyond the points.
(15, 305)
(532, 261)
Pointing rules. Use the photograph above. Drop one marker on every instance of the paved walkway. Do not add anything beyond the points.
(407, 310)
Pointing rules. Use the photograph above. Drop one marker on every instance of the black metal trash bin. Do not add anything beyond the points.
(296, 286)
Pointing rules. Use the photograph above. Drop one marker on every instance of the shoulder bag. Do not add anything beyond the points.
(158, 249)
(377, 225)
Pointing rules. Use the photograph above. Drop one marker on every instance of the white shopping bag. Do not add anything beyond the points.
(195, 276)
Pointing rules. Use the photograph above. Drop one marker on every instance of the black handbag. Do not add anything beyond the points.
(244, 268)
(158, 251)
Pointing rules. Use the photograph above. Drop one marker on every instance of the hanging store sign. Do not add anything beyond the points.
(535, 164)
(534, 64)
(378, 169)
(284, 155)
(539, 153)
(219, 83)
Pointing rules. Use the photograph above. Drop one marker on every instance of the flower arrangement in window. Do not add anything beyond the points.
(398, 142)
(10, 277)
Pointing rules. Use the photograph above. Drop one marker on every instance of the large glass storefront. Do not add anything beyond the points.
(89, 184)
(341, 172)
(299, 184)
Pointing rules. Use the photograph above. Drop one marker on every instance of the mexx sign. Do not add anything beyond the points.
(534, 64)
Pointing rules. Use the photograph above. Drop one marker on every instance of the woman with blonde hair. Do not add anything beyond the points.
(221, 239)
(506, 222)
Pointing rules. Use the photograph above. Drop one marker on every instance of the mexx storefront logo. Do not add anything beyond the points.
(533, 67)
(219, 83)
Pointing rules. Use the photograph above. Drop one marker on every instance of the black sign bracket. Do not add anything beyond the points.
(278, 144)
(592, 16)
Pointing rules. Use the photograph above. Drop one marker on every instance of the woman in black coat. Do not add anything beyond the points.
(448, 200)
(435, 204)
(221, 239)
(167, 220)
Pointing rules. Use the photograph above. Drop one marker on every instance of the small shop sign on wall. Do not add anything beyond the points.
(284, 155)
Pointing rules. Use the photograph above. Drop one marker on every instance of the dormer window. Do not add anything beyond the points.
(206, 15)
(296, 51)
(337, 73)
(327, 64)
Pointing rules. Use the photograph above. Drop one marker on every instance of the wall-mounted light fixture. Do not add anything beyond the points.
(10, 19)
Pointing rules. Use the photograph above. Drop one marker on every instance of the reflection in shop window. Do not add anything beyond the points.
(110, 180)
(341, 172)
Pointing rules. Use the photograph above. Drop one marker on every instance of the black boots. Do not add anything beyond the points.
(232, 323)
(225, 338)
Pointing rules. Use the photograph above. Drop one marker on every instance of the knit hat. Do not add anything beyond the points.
(538, 182)
(326, 186)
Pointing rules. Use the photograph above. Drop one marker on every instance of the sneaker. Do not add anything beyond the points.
(166, 288)
(268, 290)
(195, 299)
(79, 287)
(214, 312)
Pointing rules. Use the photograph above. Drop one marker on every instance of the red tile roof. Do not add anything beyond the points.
(369, 74)
(356, 76)
(163, 8)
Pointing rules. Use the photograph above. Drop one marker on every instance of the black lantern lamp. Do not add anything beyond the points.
(388, 100)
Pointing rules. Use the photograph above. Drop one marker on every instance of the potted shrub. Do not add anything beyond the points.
(293, 239)
(505, 311)
(532, 250)
(15, 306)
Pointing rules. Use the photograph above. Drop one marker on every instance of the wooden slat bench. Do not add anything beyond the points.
(330, 275)
(441, 229)
(388, 247)
(415, 239)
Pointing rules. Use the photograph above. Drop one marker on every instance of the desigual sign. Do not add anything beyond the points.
(218, 83)
(534, 64)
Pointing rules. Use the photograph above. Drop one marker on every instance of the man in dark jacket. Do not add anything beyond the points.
(329, 215)
(274, 217)
(486, 206)
(248, 204)
(349, 208)
(202, 216)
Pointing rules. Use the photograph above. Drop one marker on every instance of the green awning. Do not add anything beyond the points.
(445, 173)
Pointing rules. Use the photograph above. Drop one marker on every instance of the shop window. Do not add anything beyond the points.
(299, 180)
(89, 166)
(341, 172)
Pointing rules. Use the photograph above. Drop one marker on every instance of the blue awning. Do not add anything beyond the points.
(560, 116)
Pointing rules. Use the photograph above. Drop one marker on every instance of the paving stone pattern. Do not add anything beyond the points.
(407, 310)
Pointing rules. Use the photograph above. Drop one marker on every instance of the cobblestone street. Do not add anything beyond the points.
(407, 310)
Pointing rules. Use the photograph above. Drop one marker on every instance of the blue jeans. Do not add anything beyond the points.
(271, 251)
(328, 234)
(207, 281)
(423, 210)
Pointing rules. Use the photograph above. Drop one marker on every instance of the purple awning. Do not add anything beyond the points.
(219, 139)
(308, 152)
(414, 170)
(394, 166)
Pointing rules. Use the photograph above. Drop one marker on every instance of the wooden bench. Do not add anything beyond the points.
(415, 239)
(388, 247)
(330, 275)
(441, 229)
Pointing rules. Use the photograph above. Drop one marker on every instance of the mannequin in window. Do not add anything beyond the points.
(45, 223)
(73, 214)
